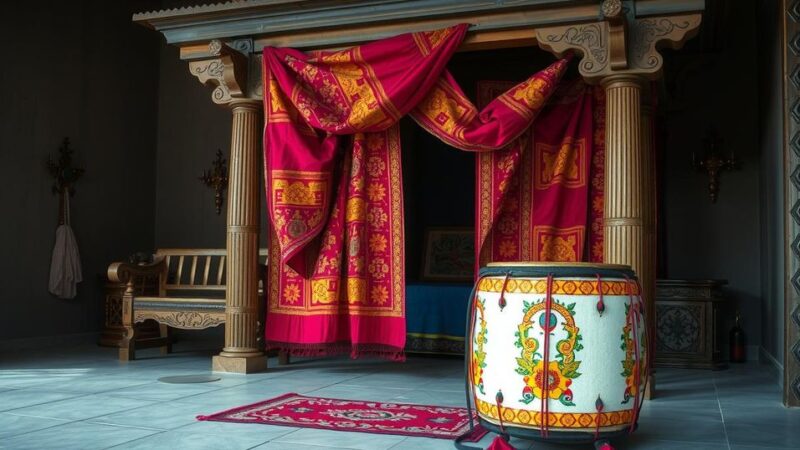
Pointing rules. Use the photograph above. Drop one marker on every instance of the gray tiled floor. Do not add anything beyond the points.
(81, 397)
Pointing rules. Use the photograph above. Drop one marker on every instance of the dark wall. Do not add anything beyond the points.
(715, 86)
(190, 130)
(771, 130)
(83, 70)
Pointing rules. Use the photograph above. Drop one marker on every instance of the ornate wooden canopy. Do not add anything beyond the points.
(617, 42)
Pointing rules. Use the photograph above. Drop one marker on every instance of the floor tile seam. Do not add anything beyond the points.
(280, 440)
(45, 402)
(84, 419)
(149, 399)
(722, 415)
(399, 443)
(63, 422)
(119, 425)
(200, 393)
(162, 384)
(102, 391)
(275, 438)
(290, 430)
(382, 387)
(134, 440)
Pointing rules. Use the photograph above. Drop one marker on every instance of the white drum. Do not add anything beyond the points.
(559, 350)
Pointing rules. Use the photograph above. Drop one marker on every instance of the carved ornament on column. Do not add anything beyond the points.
(621, 43)
(227, 70)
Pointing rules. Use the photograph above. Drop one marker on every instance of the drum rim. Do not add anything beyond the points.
(541, 264)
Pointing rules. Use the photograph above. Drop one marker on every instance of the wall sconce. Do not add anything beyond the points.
(217, 178)
(65, 175)
(713, 164)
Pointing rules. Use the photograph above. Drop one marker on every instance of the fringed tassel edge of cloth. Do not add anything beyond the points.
(340, 348)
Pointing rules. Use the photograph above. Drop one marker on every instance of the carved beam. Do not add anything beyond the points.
(226, 72)
(620, 44)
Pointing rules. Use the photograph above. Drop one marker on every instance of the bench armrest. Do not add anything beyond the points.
(122, 272)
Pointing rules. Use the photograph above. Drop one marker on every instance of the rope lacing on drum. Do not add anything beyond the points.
(601, 306)
(634, 312)
(544, 405)
(502, 300)
(499, 401)
(598, 404)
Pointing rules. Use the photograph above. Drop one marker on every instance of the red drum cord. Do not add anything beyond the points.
(499, 400)
(601, 306)
(502, 300)
(598, 404)
(545, 406)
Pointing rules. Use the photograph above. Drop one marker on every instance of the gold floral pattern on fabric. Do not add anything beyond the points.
(349, 96)
(447, 109)
(298, 199)
(559, 244)
(521, 185)
(562, 164)
(276, 104)
(529, 97)
(597, 186)
(428, 41)
(363, 240)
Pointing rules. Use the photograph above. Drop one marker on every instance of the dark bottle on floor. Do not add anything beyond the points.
(737, 342)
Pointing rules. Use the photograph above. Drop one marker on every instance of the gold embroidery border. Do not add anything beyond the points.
(524, 418)
(561, 286)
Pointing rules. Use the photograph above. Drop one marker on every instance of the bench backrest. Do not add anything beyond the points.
(197, 270)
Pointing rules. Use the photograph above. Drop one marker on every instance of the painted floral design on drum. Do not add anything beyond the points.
(479, 355)
(630, 367)
(557, 377)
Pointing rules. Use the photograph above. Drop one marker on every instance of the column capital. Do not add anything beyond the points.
(621, 43)
(226, 71)
(246, 104)
(625, 79)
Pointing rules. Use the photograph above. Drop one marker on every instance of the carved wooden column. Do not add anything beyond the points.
(624, 235)
(620, 54)
(647, 274)
(227, 71)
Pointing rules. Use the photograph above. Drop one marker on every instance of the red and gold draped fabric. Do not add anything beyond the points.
(541, 198)
(333, 179)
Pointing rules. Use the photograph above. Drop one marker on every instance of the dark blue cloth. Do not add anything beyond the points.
(436, 309)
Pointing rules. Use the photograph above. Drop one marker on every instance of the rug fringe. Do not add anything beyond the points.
(340, 348)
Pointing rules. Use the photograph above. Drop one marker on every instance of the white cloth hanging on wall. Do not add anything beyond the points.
(65, 265)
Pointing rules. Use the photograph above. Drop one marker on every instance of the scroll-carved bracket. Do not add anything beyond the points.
(227, 71)
(619, 44)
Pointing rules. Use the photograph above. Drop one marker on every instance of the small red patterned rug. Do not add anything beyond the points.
(353, 415)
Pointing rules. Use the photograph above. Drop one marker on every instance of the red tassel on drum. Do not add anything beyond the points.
(500, 444)
(601, 306)
(598, 404)
(502, 301)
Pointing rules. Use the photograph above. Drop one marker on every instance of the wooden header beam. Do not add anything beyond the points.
(338, 23)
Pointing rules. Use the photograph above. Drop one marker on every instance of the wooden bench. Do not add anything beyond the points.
(191, 295)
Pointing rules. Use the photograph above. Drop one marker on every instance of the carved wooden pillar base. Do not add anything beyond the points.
(234, 364)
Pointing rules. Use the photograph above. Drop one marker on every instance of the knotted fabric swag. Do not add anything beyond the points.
(336, 279)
